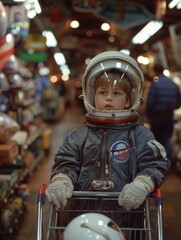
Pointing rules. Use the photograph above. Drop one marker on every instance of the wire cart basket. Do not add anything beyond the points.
(144, 223)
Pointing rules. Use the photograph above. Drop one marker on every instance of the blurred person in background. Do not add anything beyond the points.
(163, 98)
(142, 109)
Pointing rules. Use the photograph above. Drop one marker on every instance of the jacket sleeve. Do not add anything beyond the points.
(69, 156)
(151, 156)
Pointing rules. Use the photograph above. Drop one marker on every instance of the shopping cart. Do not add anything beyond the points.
(144, 223)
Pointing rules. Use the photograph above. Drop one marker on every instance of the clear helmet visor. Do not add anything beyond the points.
(118, 80)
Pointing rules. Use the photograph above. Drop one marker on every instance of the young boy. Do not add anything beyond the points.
(112, 151)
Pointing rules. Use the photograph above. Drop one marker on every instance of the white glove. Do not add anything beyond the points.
(59, 190)
(135, 193)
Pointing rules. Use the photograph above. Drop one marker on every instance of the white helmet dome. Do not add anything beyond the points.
(103, 63)
(93, 226)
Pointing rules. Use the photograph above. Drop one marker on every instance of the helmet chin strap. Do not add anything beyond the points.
(112, 123)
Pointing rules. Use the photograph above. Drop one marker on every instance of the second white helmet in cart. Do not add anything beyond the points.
(93, 226)
(103, 64)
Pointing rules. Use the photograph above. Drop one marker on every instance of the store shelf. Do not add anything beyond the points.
(13, 188)
(29, 117)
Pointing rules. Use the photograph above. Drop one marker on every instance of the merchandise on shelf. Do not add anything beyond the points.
(8, 127)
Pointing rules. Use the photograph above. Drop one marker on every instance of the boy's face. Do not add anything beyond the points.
(109, 98)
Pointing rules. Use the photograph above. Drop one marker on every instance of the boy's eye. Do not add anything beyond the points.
(117, 93)
(102, 92)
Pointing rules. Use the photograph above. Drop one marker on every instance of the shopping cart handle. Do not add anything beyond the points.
(95, 194)
(156, 193)
(76, 194)
(41, 194)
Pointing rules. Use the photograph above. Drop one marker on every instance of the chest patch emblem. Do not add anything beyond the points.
(120, 150)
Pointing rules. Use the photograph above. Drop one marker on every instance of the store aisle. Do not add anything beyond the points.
(28, 226)
(74, 117)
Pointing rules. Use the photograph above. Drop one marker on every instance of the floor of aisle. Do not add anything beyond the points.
(171, 189)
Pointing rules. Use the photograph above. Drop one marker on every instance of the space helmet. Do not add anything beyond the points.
(127, 67)
(93, 226)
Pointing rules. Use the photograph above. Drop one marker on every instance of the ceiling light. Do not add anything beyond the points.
(149, 30)
(50, 39)
(166, 72)
(37, 6)
(33, 8)
(59, 58)
(105, 27)
(174, 3)
(53, 79)
(143, 60)
(65, 78)
(179, 5)
(74, 24)
(65, 70)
